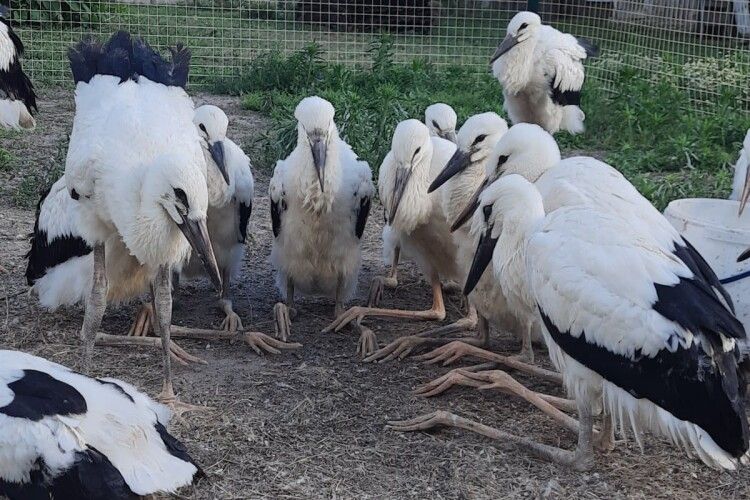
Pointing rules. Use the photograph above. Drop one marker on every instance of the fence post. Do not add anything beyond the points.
(532, 6)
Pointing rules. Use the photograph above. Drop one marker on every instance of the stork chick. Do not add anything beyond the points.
(19, 102)
(320, 199)
(541, 71)
(441, 120)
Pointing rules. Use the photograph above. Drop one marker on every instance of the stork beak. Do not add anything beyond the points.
(470, 208)
(196, 233)
(403, 175)
(482, 258)
(458, 163)
(217, 153)
(745, 192)
(744, 255)
(319, 150)
(508, 43)
(449, 135)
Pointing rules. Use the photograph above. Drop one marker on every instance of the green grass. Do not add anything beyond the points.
(646, 128)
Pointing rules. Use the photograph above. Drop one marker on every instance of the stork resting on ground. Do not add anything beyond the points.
(19, 101)
(320, 200)
(441, 120)
(541, 71)
(629, 324)
(64, 435)
(135, 165)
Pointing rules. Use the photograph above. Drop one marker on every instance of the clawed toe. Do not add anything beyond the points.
(367, 344)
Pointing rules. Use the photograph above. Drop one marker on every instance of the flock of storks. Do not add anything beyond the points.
(561, 251)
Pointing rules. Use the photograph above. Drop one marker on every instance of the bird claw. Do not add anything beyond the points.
(283, 324)
(376, 291)
(398, 349)
(260, 343)
(422, 422)
(457, 376)
(448, 353)
(231, 323)
(142, 324)
(368, 342)
(353, 313)
(181, 356)
(169, 399)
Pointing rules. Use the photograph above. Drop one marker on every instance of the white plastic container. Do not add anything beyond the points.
(714, 229)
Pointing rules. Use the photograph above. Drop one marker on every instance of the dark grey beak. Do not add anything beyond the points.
(508, 43)
(217, 153)
(403, 175)
(744, 255)
(470, 208)
(319, 150)
(449, 135)
(482, 258)
(458, 163)
(196, 233)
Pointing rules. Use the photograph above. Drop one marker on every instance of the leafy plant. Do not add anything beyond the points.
(57, 11)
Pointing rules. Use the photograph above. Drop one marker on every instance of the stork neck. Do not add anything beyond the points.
(514, 69)
(313, 198)
(416, 203)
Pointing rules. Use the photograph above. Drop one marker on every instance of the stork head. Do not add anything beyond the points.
(525, 149)
(212, 125)
(174, 195)
(521, 28)
(503, 204)
(410, 146)
(441, 120)
(475, 141)
(316, 128)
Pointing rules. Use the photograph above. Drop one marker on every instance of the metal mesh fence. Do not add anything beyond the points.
(701, 46)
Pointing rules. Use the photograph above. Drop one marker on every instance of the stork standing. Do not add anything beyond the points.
(320, 199)
(65, 435)
(136, 166)
(19, 101)
(541, 71)
(629, 325)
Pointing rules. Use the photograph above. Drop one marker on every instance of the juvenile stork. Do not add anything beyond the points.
(629, 325)
(65, 435)
(740, 170)
(541, 71)
(135, 165)
(441, 120)
(320, 199)
(19, 100)
(417, 219)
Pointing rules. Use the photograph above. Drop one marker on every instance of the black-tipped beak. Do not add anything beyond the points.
(470, 208)
(457, 164)
(217, 153)
(319, 151)
(449, 135)
(508, 43)
(403, 175)
(196, 233)
(744, 255)
(482, 258)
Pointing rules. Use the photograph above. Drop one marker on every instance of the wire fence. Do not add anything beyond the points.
(701, 46)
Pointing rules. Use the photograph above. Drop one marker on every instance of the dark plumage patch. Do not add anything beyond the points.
(701, 269)
(276, 217)
(362, 213)
(14, 81)
(592, 50)
(688, 383)
(117, 387)
(92, 477)
(37, 395)
(45, 254)
(565, 98)
(34, 489)
(128, 58)
(245, 211)
(176, 448)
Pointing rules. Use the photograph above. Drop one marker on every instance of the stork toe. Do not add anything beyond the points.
(283, 322)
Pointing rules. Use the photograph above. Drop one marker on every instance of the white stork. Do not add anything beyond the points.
(320, 200)
(541, 71)
(441, 119)
(66, 435)
(740, 171)
(630, 326)
(135, 165)
(19, 101)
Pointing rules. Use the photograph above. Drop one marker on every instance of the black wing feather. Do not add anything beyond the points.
(92, 476)
(362, 213)
(38, 394)
(564, 98)
(276, 208)
(14, 81)
(701, 269)
(176, 448)
(592, 50)
(245, 211)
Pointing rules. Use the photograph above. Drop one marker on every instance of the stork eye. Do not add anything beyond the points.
(182, 199)
(501, 160)
(416, 151)
(203, 128)
(479, 139)
(487, 212)
(435, 124)
(74, 194)
(524, 25)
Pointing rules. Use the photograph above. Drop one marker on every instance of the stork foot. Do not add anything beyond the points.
(367, 343)
(177, 353)
(398, 349)
(260, 343)
(143, 320)
(167, 397)
(457, 376)
(283, 321)
(378, 286)
(604, 440)
(231, 323)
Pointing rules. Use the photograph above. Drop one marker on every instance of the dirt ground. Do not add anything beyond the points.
(310, 423)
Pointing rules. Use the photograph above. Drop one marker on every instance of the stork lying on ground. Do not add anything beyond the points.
(541, 71)
(64, 435)
(135, 165)
(631, 327)
(19, 101)
(320, 200)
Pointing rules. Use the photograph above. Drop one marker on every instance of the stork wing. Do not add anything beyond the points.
(13, 81)
(37, 394)
(245, 209)
(562, 57)
(358, 178)
(276, 195)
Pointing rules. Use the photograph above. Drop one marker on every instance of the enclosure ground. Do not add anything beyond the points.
(310, 424)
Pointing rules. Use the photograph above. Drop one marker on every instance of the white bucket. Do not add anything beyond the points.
(714, 229)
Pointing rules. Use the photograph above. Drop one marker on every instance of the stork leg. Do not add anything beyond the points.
(232, 321)
(380, 283)
(96, 303)
(581, 459)
(284, 313)
(436, 312)
(402, 347)
(459, 349)
(527, 350)
(143, 320)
